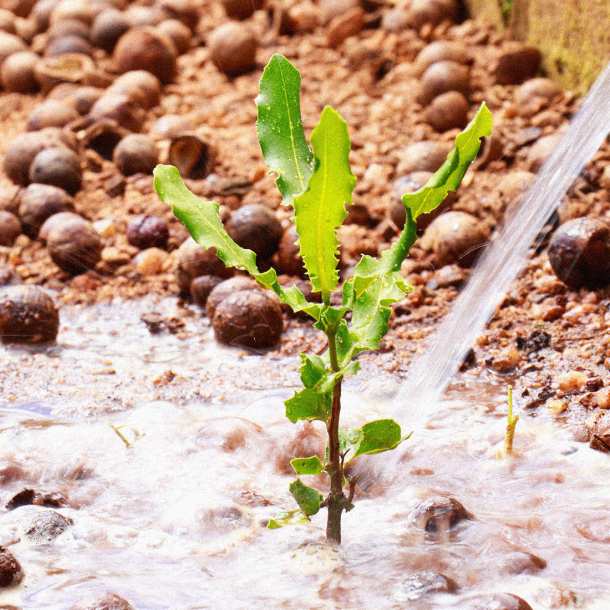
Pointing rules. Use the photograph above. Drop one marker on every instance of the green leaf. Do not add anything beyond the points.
(309, 465)
(308, 404)
(449, 177)
(376, 437)
(313, 370)
(291, 517)
(202, 219)
(320, 210)
(280, 127)
(308, 498)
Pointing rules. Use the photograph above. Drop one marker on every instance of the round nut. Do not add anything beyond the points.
(238, 9)
(448, 111)
(10, 228)
(178, 33)
(17, 72)
(442, 50)
(191, 155)
(51, 113)
(27, 315)
(426, 156)
(108, 27)
(202, 286)
(233, 48)
(9, 44)
(256, 228)
(140, 86)
(579, 252)
(39, 202)
(57, 166)
(444, 76)
(225, 289)
(288, 254)
(248, 318)
(148, 232)
(119, 108)
(194, 261)
(74, 245)
(66, 45)
(136, 153)
(145, 49)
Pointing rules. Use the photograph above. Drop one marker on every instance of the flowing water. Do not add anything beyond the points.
(506, 255)
(170, 512)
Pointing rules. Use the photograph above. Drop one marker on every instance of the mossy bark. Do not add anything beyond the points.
(573, 35)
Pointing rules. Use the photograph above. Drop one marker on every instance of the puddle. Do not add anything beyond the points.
(169, 497)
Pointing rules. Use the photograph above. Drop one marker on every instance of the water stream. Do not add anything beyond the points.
(505, 257)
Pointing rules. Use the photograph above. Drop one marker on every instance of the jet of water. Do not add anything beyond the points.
(505, 256)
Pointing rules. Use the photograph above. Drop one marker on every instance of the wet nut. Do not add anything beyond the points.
(423, 156)
(17, 72)
(10, 228)
(541, 151)
(74, 245)
(110, 601)
(65, 45)
(288, 254)
(39, 202)
(178, 33)
(148, 232)
(238, 9)
(136, 153)
(56, 220)
(22, 151)
(456, 237)
(248, 318)
(202, 286)
(225, 289)
(57, 166)
(194, 261)
(9, 44)
(10, 570)
(442, 50)
(108, 27)
(442, 77)
(191, 155)
(82, 99)
(46, 526)
(432, 12)
(496, 601)
(146, 49)
(119, 108)
(27, 315)
(448, 111)
(517, 64)
(51, 113)
(439, 514)
(409, 184)
(416, 586)
(233, 48)
(256, 228)
(579, 252)
(139, 86)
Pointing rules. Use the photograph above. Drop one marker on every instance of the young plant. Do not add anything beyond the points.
(316, 180)
(511, 424)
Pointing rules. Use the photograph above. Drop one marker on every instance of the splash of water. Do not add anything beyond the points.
(505, 257)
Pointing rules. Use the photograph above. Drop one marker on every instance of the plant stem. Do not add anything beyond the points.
(336, 501)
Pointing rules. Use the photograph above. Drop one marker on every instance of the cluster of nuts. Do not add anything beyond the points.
(240, 312)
